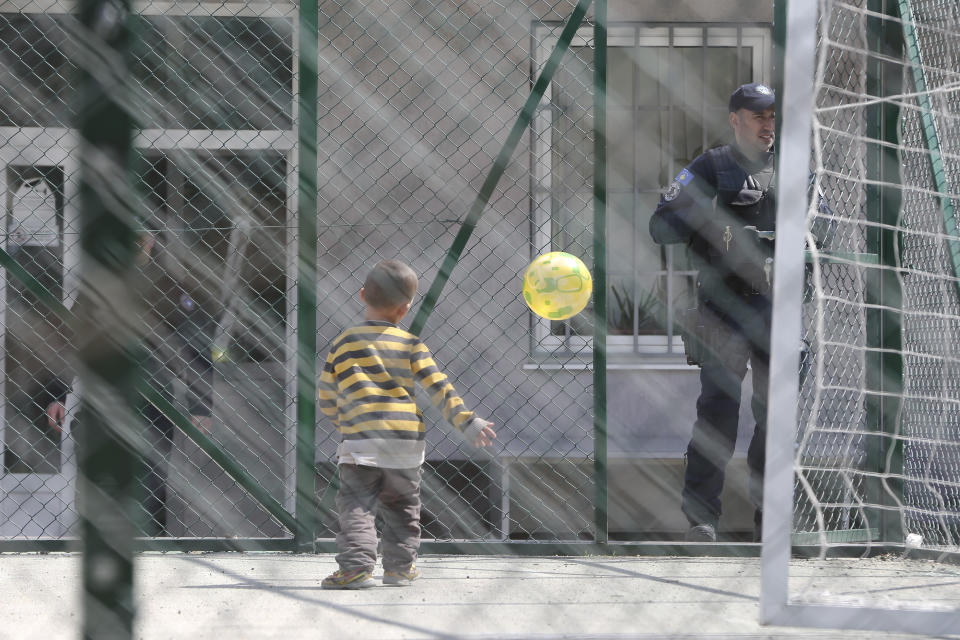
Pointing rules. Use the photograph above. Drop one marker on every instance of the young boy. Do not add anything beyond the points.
(367, 388)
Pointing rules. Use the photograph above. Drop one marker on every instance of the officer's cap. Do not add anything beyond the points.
(753, 96)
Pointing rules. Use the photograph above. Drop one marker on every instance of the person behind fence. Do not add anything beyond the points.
(723, 205)
(367, 388)
(178, 325)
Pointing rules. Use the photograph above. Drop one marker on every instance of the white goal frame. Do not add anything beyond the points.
(795, 151)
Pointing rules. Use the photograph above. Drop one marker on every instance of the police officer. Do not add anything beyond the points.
(177, 324)
(723, 206)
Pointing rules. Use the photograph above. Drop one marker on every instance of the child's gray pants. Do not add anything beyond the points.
(397, 494)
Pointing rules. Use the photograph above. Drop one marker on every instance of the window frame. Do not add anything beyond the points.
(757, 36)
(56, 146)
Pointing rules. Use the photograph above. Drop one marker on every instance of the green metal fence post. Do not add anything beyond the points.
(107, 448)
(601, 469)
(306, 510)
(884, 363)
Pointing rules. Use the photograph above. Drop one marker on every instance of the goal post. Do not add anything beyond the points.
(863, 479)
(795, 101)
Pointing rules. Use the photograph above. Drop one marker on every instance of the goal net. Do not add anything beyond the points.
(863, 481)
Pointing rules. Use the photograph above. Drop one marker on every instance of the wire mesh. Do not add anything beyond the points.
(833, 418)
(415, 101)
(932, 281)
(212, 102)
(907, 447)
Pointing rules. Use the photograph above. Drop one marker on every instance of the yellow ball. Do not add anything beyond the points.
(557, 285)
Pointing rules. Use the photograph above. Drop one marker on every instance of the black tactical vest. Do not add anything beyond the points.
(739, 253)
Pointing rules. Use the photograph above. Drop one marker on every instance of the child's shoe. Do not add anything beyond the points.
(400, 578)
(349, 579)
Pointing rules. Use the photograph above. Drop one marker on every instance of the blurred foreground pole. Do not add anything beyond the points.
(306, 510)
(105, 340)
(600, 466)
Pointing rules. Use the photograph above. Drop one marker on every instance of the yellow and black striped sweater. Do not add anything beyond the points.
(366, 387)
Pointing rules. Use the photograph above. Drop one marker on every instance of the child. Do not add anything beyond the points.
(367, 388)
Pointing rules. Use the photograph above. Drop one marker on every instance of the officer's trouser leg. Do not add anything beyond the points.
(756, 454)
(715, 431)
(159, 440)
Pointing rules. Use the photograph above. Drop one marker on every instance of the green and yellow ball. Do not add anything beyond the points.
(557, 285)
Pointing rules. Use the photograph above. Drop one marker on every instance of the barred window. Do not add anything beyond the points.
(666, 102)
(215, 156)
(194, 71)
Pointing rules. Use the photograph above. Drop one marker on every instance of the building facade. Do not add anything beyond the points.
(416, 99)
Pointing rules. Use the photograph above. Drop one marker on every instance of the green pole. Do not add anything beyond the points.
(107, 457)
(306, 510)
(600, 468)
(498, 169)
(884, 362)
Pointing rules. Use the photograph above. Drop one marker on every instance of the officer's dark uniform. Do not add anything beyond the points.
(179, 335)
(723, 205)
(177, 325)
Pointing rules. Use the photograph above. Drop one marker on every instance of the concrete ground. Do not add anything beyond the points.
(219, 596)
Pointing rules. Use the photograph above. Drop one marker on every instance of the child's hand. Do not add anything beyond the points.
(486, 436)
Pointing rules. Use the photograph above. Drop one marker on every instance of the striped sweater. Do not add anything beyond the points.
(366, 387)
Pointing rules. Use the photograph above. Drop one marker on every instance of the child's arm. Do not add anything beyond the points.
(478, 432)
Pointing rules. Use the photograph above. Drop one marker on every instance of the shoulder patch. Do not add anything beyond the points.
(684, 177)
(672, 192)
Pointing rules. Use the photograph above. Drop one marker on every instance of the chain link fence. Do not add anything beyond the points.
(877, 447)
(415, 101)
(212, 99)
(931, 256)
(833, 410)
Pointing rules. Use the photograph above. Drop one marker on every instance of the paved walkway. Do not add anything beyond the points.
(253, 596)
